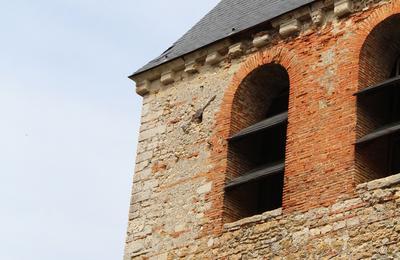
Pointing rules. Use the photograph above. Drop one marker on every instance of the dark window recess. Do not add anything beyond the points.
(380, 106)
(258, 196)
(396, 155)
(262, 147)
(279, 105)
(264, 171)
(264, 125)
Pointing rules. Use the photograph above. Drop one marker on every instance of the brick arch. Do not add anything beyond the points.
(374, 19)
(281, 56)
(219, 153)
(373, 61)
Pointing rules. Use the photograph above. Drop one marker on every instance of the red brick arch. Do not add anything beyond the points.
(281, 56)
(278, 55)
(375, 18)
(373, 60)
(341, 181)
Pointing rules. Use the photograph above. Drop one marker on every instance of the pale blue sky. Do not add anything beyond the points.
(70, 118)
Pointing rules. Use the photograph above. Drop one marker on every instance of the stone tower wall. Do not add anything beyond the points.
(177, 200)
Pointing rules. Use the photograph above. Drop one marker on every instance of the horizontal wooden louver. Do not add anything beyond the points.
(261, 126)
(380, 132)
(383, 85)
(257, 174)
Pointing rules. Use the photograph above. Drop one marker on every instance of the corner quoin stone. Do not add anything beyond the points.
(143, 88)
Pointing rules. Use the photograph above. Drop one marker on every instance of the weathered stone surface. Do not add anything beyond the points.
(213, 58)
(177, 199)
(385, 182)
(192, 67)
(136, 246)
(290, 27)
(168, 77)
(343, 7)
(204, 188)
(152, 132)
(143, 88)
(261, 40)
(236, 50)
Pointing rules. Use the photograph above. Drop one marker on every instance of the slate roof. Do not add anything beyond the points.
(219, 22)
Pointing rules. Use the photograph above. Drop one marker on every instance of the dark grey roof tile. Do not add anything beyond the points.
(218, 24)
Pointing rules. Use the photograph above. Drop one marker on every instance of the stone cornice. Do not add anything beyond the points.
(291, 24)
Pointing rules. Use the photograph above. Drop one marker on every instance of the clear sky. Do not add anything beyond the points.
(70, 119)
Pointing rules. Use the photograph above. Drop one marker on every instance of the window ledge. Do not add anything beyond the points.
(253, 219)
(380, 183)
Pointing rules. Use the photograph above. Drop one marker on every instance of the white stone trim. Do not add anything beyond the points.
(236, 50)
(317, 13)
(143, 87)
(342, 7)
(261, 40)
(192, 67)
(289, 28)
(214, 58)
(168, 77)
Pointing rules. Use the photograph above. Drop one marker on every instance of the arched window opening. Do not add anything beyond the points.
(256, 152)
(378, 143)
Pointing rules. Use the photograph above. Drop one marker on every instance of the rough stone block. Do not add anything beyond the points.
(272, 214)
(353, 222)
(136, 246)
(326, 229)
(191, 67)
(204, 188)
(179, 227)
(342, 7)
(143, 88)
(144, 156)
(384, 182)
(315, 232)
(141, 196)
(168, 77)
(210, 242)
(339, 225)
(213, 58)
(142, 175)
(236, 50)
(163, 256)
(262, 40)
(152, 132)
(290, 27)
(346, 205)
(141, 166)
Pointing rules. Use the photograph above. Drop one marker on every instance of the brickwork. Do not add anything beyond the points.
(177, 207)
(377, 59)
(249, 106)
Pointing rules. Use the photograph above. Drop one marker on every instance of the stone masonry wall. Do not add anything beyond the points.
(363, 227)
(178, 188)
(366, 226)
(170, 184)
